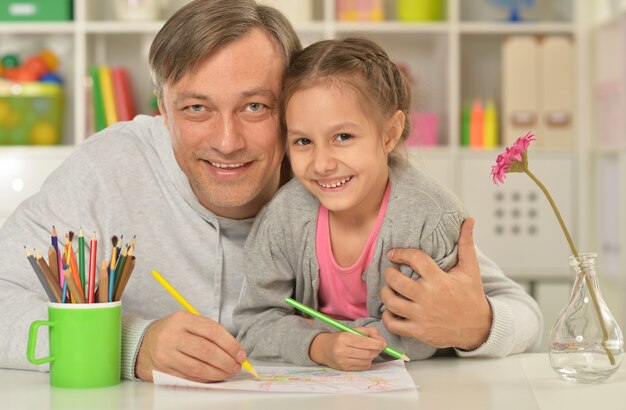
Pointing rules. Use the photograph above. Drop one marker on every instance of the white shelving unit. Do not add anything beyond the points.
(609, 152)
(453, 60)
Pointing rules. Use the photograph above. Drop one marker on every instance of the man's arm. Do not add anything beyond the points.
(473, 307)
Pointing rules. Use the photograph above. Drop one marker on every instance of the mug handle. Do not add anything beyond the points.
(32, 342)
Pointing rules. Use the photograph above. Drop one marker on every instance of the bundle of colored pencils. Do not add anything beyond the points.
(63, 278)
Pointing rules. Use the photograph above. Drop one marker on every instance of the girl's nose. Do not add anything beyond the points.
(324, 161)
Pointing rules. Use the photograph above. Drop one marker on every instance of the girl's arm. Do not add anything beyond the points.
(269, 329)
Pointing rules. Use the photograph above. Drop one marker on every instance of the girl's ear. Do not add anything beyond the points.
(395, 127)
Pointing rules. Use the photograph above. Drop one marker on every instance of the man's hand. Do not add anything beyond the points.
(347, 351)
(189, 346)
(440, 309)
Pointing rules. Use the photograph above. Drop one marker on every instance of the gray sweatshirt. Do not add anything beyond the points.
(281, 262)
(123, 180)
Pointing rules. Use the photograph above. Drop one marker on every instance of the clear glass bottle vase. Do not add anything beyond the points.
(586, 343)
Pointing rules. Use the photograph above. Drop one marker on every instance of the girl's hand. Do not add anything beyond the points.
(346, 351)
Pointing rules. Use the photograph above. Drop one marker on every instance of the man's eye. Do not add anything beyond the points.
(343, 137)
(302, 141)
(195, 107)
(254, 107)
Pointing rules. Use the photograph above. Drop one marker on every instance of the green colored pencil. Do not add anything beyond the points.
(319, 315)
(81, 260)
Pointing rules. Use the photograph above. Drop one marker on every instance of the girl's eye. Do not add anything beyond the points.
(343, 137)
(302, 141)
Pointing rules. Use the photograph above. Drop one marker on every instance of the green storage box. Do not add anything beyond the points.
(35, 10)
(31, 113)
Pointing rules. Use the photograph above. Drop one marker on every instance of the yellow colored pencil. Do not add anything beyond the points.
(246, 365)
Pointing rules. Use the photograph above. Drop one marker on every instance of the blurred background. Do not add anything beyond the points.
(483, 72)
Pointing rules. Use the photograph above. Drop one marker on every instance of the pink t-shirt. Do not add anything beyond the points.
(343, 293)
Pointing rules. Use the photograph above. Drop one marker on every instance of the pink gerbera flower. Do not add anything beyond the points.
(515, 159)
(507, 161)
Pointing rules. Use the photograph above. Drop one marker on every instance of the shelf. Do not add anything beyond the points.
(451, 61)
(36, 28)
(393, 27)
(516, 28)
(612, 150)
(35, 151)
(116, 27)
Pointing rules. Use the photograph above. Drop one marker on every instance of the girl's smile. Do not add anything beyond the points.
(337, 150)
(334, 184)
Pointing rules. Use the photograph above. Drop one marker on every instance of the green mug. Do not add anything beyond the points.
(84, 341)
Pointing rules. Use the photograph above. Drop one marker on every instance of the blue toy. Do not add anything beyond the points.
(51, 78)
(514, 6)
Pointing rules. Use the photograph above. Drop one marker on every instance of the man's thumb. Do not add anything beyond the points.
(466, 251)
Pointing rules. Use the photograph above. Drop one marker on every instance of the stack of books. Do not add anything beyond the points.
(109, 96)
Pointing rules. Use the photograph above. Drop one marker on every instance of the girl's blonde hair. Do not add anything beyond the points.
(359, 63)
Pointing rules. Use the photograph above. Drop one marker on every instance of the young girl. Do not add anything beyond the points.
(323, 237)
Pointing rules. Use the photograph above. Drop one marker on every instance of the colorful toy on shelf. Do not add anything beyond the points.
(51, 78)
(50, 58)
(360, 10)
(33, 68)
(490, 127)
(10, 61)
(419, 10)
(36, 65)
(514, 7)
(154, 105)
(479, 124)
(477, 117)
(31, 100)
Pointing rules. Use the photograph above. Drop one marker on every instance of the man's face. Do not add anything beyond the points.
(224, 123)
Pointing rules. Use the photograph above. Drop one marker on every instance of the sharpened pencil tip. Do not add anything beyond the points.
(405, 358)
(246, 365)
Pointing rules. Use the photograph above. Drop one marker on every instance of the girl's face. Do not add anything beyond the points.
(338, 151)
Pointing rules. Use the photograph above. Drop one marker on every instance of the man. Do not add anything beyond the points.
(188, 185)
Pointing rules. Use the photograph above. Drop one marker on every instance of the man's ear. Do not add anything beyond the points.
(393, 132)
(162, 109)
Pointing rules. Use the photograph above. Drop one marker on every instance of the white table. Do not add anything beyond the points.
(517, 382)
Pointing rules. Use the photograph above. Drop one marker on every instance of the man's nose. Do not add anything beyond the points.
(228, 136)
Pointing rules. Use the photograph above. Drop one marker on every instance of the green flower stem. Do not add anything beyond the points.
(555, 209)
(592, 293)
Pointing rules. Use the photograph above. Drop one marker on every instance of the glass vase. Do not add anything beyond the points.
(586, 343)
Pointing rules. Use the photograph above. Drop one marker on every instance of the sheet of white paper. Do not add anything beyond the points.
(381, 377)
